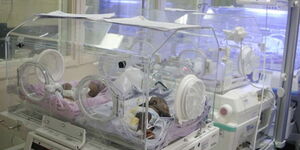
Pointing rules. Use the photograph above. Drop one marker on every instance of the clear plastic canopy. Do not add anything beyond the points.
(240, 39)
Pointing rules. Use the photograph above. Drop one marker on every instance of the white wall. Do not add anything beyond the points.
(16, 11)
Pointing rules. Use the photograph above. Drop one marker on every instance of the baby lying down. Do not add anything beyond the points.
(157, 108)
(95, 87)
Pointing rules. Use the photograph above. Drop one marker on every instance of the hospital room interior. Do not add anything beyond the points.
(149, 75)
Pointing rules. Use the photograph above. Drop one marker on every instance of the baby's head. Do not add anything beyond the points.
(67, 86)
(160, 106)
(95, 88)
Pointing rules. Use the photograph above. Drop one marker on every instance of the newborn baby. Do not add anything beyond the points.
(95, 87)
(158, 108)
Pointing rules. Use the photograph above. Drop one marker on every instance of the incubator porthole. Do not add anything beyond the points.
(247, 61)
(53, 61)
(190, 98)
(192, 62)
(98, 98)
(30, 84)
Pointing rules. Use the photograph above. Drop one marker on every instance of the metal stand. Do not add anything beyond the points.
(287, 72)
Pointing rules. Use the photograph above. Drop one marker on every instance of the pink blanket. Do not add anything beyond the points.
(55, 103)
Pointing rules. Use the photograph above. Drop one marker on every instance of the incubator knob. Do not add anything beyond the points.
(225, 110)
(122, 64)
(283, 76)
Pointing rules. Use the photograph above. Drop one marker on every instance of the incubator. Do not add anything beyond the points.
(244, 107)
(241, 46)
(273, 24)
(244, 103)
(128, 82)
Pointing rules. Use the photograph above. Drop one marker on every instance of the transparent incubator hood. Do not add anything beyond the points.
(274, 39)
(242, 50)
(130, 81)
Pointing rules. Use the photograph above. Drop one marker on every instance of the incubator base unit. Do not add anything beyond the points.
(49, 133)
(237, 113)
(11, 133)
(204, 139)
(56, 134)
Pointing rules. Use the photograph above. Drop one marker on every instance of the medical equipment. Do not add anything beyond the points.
(244, 105)
(130, 86)
(244, 112)
(237, 113)
(271, 77)
(241, 48)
